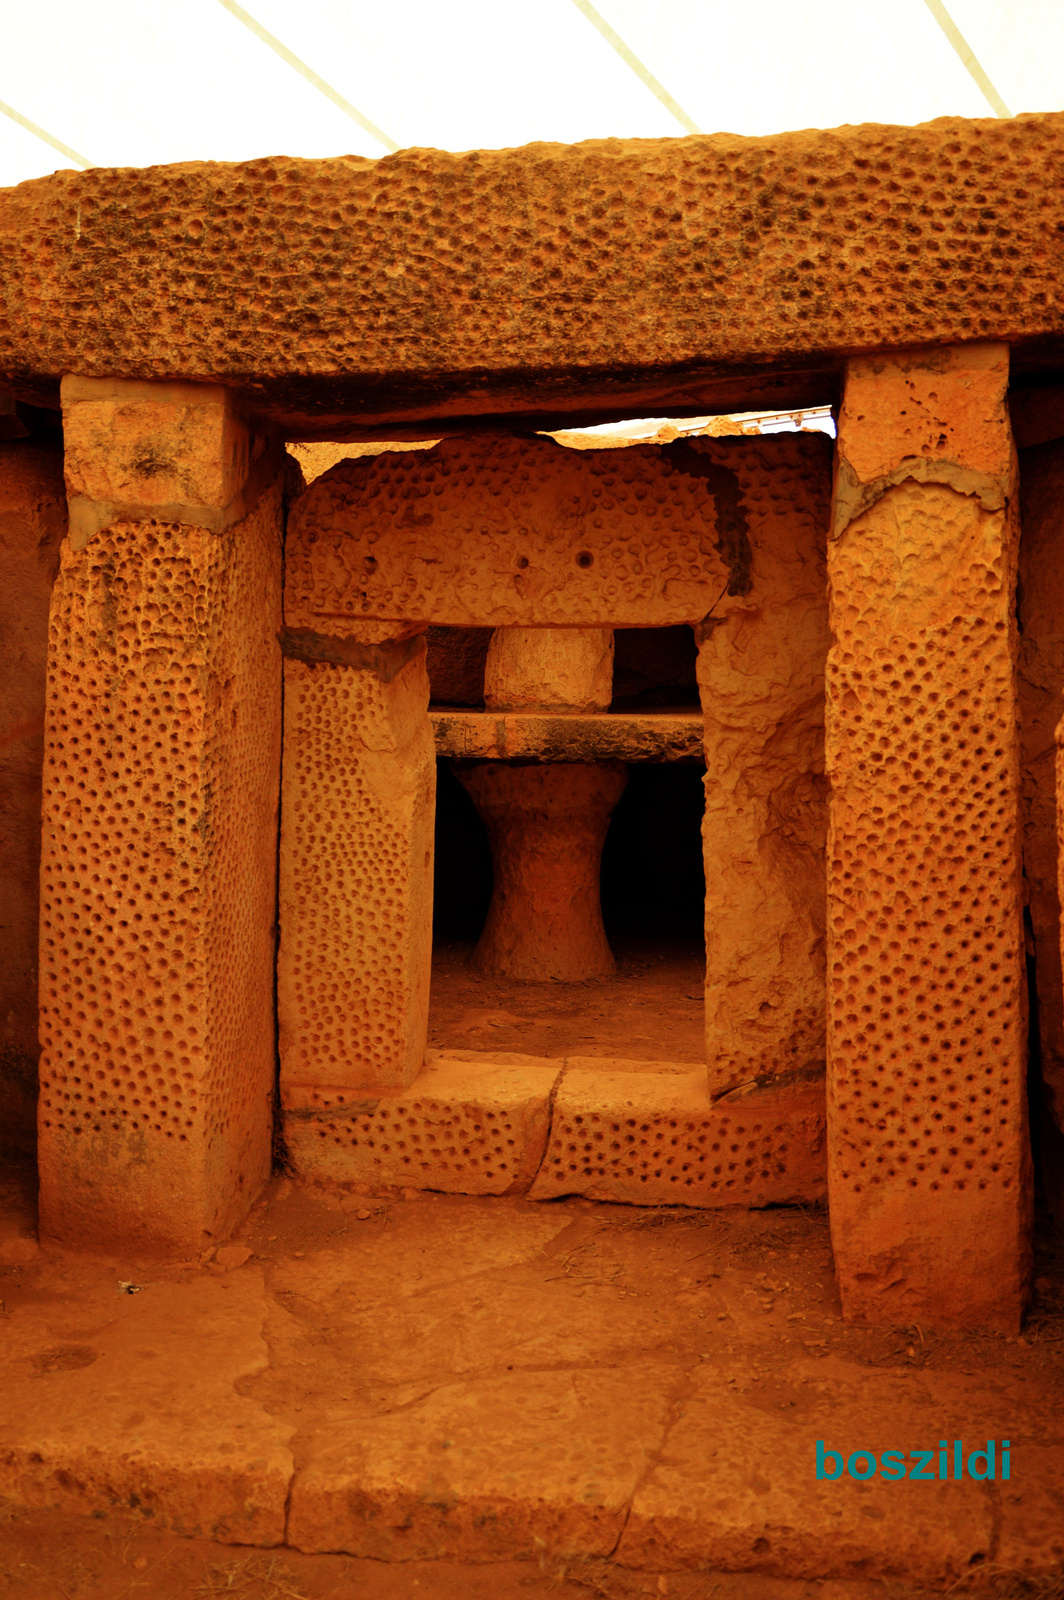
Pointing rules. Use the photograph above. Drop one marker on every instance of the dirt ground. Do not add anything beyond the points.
(382, 1316)
(653, 1010)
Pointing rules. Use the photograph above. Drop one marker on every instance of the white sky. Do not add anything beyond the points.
(136, 82)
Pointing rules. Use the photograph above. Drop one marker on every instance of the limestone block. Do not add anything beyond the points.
(609, 276)
(162, 755)
(928, 1163)
(655, 1138)
(539, 736)
(565, 669)
(357, 825)
(507, 1467)
(143, 1409)
(760, 673)
(152, 443)
(469, 1125)
(734, 1486)
(32, 524)
(519, 532)
(1041, 688)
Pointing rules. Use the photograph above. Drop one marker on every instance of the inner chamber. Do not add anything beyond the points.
(557, 962)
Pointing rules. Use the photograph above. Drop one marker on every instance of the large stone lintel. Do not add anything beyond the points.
(546, 277)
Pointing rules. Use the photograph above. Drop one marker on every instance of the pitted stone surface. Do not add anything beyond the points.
(468, 1125)
(929, 1163)
(654, 1138)
(520, 532)
(461, 275)
(358, 788)
(162, 747)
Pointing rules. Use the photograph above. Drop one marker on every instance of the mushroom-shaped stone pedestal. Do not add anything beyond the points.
(546, 824)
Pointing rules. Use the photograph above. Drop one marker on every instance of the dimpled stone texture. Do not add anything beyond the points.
(511, 531)
(358, 796)
(653, 1138)
(761, 673)
(928, 1163)
(158, 881)
(301, 283)
(464, 1127)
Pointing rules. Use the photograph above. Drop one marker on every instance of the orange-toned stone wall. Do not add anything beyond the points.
(159, 878)
(761, 676)
(358, 819)
(1041, 615)
(929, 1167)
(32, 525)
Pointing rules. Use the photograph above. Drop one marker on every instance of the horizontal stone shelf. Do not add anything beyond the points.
(568, 736)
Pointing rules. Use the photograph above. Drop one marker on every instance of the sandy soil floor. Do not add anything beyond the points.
(652, 1010)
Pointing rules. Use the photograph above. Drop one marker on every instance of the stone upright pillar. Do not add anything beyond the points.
(929, 1167)
(1041, 618)
(761, 660)
(357, 839)
(33, 518)
(158, 875)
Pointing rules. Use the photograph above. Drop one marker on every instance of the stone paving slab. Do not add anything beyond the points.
(472, 1379)
(465, 1126)
(112, 1400)
(736, 1477)
(642, 1133)
(510, 1465)
(658, 1139)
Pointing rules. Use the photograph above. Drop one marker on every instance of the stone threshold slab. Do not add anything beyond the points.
(484, 1380)
(131, 1403)
(631, 1132)
(573, 736)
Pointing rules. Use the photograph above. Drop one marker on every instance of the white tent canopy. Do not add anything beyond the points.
(129, 83)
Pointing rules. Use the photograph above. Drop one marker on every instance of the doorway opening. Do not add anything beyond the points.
(652, 887)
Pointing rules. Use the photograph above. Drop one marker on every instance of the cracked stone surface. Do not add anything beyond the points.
(402, 1377)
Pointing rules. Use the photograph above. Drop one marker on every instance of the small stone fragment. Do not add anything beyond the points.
(232, 1255)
